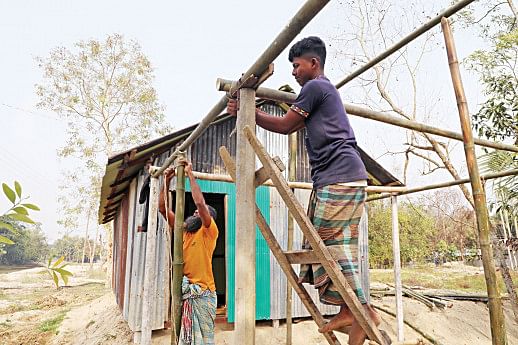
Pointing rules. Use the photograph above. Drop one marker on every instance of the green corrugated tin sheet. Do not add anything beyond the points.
(262, 287)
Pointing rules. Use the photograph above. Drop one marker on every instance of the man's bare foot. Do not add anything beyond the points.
(357, 335)
(343, 319)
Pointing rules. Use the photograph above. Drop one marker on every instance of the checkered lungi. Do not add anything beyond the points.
(198, 315)
(335, 212)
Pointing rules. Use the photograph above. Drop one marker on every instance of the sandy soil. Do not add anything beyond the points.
(91, 317)
(465, 323)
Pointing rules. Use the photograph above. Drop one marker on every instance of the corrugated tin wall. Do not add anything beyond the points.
(136, 283)
(132, 194)
(204, 153)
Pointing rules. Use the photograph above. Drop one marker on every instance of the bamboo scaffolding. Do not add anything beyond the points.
(292, 175)
(287, 97)
(496, 315)
(447, 184)
(397, 269)
(404, 41)
(303, 16)
(178, 250)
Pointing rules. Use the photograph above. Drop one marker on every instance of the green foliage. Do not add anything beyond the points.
(505, 188)
(30, 245)
(55, 271)
(17, 213)
(69, 247)
(416, 230)
(497, 118)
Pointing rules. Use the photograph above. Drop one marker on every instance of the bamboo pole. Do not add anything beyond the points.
(303, 16)
(404, 41)
(292, 175)
(504, 228)
(397, 270)
(351, 109)
(245, 223)
(447, 184)
(496, 315)
(178, 250)
(148, 300)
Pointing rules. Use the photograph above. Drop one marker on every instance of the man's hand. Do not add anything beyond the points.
(188, 169)
(169, 174)
(232, 106)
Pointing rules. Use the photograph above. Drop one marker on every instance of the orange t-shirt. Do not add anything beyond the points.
(198, 248)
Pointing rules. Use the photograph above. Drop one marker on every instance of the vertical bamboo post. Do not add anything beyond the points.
(292, 175)
(363, 253)
(512, 260)
(148, 298)
(496, 315)
(245, 224)
(504, 228)
(176, 302)
(397, 270)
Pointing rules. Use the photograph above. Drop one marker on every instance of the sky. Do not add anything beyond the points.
(190, 44)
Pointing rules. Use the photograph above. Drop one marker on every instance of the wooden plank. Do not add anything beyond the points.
(325, 258)
(245, 247)
(262, 175)
(296, 257)
(281, 258)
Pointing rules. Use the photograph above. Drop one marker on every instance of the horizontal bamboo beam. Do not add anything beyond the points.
(294, 185)
(405, 40)
(447, 184)
(287, 97)
(303, 16)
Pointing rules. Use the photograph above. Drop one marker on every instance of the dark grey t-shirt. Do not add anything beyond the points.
(330, 140)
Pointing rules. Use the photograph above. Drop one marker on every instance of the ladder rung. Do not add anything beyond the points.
(296, 257)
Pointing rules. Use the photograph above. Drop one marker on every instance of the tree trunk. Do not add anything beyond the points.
(95, 246)
(86, 237)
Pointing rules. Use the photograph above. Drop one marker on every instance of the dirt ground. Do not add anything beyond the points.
(86, 313)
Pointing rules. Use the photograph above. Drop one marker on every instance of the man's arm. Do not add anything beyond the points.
(197, 196)
(287, 124)
(168, 175)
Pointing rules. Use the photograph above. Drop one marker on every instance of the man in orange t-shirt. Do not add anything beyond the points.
(198, 287)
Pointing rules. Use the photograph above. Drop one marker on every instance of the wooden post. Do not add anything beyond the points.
(363, 253)
(148, 299)
(292, 176)
(176, 305)
(496, 315)
(397, 270)
(245, 224)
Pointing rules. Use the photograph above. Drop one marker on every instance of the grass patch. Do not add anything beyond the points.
(52, 325)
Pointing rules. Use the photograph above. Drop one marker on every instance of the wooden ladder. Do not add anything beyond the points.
(272, 168)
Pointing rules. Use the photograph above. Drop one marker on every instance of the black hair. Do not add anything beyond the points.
(194, 223)
(213, 212)
(309, 46)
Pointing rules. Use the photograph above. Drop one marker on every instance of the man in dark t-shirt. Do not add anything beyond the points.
(338, 173)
